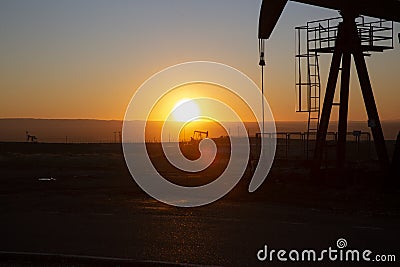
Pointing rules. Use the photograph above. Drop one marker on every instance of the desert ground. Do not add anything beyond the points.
(77, 205)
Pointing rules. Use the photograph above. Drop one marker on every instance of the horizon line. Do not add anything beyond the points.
(121, 120)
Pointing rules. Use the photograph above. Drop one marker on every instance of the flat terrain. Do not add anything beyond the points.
(92, 207)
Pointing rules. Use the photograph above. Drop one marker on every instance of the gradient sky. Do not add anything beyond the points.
(86, 58)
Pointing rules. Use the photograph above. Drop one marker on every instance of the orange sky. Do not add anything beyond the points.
(200, 90)
(74, 59)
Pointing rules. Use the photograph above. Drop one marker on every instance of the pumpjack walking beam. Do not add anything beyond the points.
(271, 10)
(348, 42)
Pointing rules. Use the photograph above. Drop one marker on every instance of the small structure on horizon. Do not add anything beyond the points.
(30, 138)
(199, 135)
(117, 133)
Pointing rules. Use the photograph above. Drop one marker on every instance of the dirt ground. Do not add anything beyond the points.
(88, 206)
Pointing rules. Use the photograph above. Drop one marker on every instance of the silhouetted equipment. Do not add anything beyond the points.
(347, 38)
(261, 48)
(199, 135)
(271, 10)
(30, 138)
(319, 37)
(308, 83)
(117, 133)
(396, 158)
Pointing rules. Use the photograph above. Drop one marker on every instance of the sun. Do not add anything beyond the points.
(185, 110)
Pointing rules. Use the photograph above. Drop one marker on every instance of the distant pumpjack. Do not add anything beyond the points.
(30, 138)
(199, 135)
(347, 43)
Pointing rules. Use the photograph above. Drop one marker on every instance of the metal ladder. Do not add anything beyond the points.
(309, 83)
(313, 91)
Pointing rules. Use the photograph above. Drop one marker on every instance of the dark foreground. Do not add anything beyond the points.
(93, 208)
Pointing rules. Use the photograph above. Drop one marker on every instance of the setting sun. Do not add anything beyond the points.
(185, 109)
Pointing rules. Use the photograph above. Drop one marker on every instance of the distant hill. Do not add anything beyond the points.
(91, 131)
(57, 130)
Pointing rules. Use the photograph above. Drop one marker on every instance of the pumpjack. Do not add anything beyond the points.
(348, 42)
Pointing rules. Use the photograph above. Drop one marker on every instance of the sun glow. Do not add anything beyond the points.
(186, 112)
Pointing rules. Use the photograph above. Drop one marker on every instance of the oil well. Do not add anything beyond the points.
(364, 27)
(30, 138)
